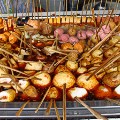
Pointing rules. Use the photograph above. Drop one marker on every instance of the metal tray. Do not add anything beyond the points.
(74, 110)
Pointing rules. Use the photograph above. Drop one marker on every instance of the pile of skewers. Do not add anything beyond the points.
(61, 58)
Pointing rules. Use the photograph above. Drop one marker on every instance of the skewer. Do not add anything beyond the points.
(77, 7)
(110, 17)
(37, 3)
(12, 7)
(41, 10)
(25, 43)
(28, 8)
(55, 8)
(66, 3)
(32, 8)
(49, 107)
(101, 42)
(104, 9)
(18, 113)
(99, 8)
(104, 63)
(87, 7)
(60, 9)
(64, 101)
(117, 1)
(110, 5)
(16, 7)
(13, 79)
(56, 110)
(42, 100)
(3, 50)
(113, 101)
(13, 69)
(95, 113)
(47, 6)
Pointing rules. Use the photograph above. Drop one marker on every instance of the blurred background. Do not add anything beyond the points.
(21, 6)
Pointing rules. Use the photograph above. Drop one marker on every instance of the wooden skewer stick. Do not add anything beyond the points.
(16, 7)
(60, 9)
(42, 100)
(87, 7)
(113, 101)
(95, 113)
(49, 107)
(104, 63)
(13, 69)
(56, 110)
(25, 43)
(66, 3)
(101, 42)
(13, 79)
(64, 101)
(77, 7)
(47, 2)
(18, 113)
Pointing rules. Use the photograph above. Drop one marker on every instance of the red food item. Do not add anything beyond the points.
(102, 35)
(81, 35)
(64, 38)
(73, 39)
(105, 29)
(102, 92)
(89, 33)
(58, 32)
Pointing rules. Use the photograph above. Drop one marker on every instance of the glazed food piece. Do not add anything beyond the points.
(23, 84)
(7, 95)
(89, 84)
(64, 77)
(30, 93)
(112, 79)
(102, 92)
(77, 92)
(53, 93)
(42, 80)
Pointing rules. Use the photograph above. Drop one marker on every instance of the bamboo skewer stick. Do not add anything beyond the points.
(66, 3)
(47, 6)
(104, 63)
(56, 110)
(18, 113)
(16, 7)
(101, 42)
(49, 107)
(64, 101)
(95, 113)
(13, 69)
(42, 100)
(113, 101)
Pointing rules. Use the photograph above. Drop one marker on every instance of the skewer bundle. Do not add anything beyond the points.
(68, 55)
